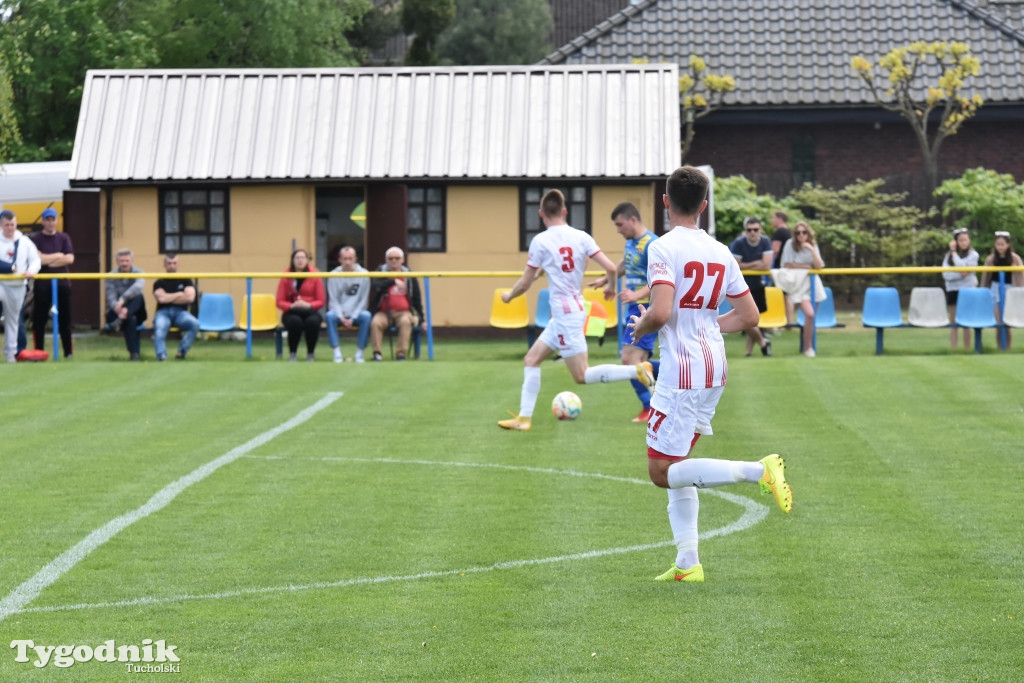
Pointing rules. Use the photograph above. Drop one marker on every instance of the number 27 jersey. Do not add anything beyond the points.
(702, 271)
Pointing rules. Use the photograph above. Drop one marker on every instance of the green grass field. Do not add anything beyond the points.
(397, 534)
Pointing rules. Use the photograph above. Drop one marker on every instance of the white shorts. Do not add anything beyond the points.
(677, 416)
(564, 333)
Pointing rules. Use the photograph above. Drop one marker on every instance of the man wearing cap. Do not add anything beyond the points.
(56, 254)
(18, 256)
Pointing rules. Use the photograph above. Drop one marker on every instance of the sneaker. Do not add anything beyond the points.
(292, 357)
(337, 356)
(810, 353)
(644, 416)
(377, 356)
(766, 350)
(645, 374)
(180, 355)
(773, 481)
(359, 356)
(134, 357)
(399, 356)
(694, 574)
(516, 423)
(310, 358)
(161, 357)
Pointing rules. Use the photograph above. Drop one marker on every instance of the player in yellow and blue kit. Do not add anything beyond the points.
(635, 291)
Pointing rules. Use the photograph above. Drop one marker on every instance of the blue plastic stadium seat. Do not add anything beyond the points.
(881, 310)
(542, 316)
(824, 314)
(216, 312)
(974, 310)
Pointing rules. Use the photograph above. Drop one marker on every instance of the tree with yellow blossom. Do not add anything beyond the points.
(936, 109)
(700, 94)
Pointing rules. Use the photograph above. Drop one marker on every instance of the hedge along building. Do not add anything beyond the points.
(231, 168)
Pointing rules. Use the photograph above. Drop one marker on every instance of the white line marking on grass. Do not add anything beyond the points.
(28, 591)
(753, 512)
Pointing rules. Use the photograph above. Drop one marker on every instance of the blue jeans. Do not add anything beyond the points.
(362, 321)
(178, 317)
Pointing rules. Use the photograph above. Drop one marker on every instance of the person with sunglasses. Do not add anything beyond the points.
(1002, 255)
(753, 251)
(960, 254)
(801, 254)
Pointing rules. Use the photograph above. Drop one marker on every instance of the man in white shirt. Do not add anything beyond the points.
(18, 256)
(689, 273)
(561, 251)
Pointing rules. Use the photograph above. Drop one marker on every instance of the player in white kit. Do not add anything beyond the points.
(561, 251)
(689, 273)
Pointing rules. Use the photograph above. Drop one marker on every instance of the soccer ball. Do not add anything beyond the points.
(566, 406)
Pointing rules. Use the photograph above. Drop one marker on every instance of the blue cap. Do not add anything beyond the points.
(49, 213)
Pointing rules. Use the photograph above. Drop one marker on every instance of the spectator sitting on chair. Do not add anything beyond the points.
(395, 301)
(347, 300)
(300, 300)
(18, 255)
(173, 297)
(126, 308)
(56, 254)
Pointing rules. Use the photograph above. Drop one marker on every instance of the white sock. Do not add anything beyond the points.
(709, 473)
(683, 507)
(531, 387)
(609, 373)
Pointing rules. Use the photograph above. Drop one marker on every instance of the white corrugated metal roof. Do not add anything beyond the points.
(34, 182)
(604, 121)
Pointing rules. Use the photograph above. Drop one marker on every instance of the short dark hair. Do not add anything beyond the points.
(687, 188)
(781, 215)
(552, 204)
(170, 256)
(6, 215)
(749, 220)
(626, 210)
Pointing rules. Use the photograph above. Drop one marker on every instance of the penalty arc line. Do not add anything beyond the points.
(753, 512)
(16, 600)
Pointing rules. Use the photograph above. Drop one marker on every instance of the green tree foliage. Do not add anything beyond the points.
(916, 100)
(10, 138)
(254, 33)
(987, 201)
(426, 20)
(375, 28)
(736, 198)
(49, 45)
(497, 32)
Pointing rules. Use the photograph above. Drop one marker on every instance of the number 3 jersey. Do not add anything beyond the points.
(703, 272)
(562, 251)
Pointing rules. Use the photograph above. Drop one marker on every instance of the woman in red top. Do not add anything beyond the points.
(300, 300)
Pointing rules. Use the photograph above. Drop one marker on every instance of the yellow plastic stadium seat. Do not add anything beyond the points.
(264, 312)
(775, 316)
(510, 316)
(611, 307)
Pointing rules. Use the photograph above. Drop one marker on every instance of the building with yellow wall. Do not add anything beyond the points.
(232, 169)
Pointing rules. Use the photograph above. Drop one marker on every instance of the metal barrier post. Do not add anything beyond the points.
(430, 321)
(1001, 330)
(248, 317)
(55, 315)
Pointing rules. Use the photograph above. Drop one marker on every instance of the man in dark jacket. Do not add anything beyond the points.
(395, 301)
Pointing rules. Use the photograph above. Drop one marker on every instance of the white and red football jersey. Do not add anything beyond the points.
(562, 251)
(703, 272)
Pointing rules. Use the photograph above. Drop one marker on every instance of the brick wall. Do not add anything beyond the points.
(848, 151)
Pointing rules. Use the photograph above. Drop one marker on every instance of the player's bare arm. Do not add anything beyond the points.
(620, 270)
(522, 284)
(610, 270)
(743, 315)
(654, 317)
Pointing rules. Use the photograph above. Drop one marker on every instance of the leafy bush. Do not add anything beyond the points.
(735, 199)
(985, 201)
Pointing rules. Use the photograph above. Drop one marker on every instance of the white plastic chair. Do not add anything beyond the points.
(1013, 311)
(928, 307)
